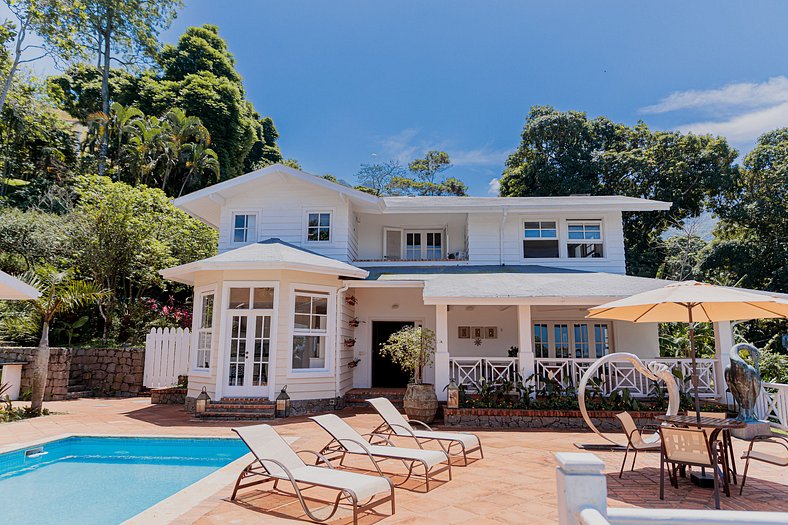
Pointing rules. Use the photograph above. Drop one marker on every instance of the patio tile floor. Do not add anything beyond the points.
(515, 483)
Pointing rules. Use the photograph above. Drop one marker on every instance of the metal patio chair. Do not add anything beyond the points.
(636, 440)
(765, 457)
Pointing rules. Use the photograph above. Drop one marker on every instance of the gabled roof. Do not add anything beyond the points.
(521, 204)
(206, 204)
(13, 289)
(271, 254)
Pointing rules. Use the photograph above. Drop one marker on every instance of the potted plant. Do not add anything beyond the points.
(413, 348)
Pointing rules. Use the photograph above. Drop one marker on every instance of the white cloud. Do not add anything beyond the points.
(494, 187)
(408, 145)
(743, 128)
(738, 95)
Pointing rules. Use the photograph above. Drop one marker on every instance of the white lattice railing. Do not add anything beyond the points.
(772, 404)
(621, 376)
(470, 371)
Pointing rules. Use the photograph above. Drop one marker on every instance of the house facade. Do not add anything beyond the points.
(312, 276)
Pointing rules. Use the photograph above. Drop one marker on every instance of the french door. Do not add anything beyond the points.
(248, 352)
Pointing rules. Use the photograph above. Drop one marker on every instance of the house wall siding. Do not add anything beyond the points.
(282, 205)
(371, 226)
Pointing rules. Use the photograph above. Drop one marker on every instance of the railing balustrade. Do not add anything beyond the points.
(471, 371)
(566, 372)
(772, 404)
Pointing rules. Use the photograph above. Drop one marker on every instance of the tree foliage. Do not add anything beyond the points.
(390, 178)
(564, 153)
(412, 348)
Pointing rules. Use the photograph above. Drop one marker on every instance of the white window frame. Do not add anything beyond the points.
(586, 222)
(330, 332)
(524, 239)
(570, 323)
(305, 228)
(199, 293)
(255, 233)
(423, 247)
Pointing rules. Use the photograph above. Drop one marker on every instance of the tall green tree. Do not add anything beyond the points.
(751, 240)
(61, 292)
(56, 24)
(421, 178)
(563, 153)
(116, 30)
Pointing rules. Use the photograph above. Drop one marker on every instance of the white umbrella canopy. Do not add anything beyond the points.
(13, 289)
(692, 302)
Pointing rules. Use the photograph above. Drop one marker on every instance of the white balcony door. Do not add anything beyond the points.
(248, 352)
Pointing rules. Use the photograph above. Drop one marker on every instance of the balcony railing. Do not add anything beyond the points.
(772, 404)
(470, 371)
(623, 376)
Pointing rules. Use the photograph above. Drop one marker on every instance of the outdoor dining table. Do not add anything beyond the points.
(717, 425)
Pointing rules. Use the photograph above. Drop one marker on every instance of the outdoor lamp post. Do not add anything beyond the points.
(453, 398)
(283, 403)
(202, 401)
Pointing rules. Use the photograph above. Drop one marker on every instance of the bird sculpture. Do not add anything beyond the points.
(744, 381)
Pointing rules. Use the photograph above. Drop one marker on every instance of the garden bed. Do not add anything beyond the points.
(558, 419)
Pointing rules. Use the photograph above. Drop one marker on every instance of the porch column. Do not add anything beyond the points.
(723, 341)
(525, 338)
(441, 350)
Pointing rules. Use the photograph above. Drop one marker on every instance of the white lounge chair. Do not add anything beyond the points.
(276, 461)
(395, 424)
(347, 441)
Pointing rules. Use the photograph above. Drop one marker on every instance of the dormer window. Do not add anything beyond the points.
(584, 239)
(540, 240)
(318, 227)
(244, 227)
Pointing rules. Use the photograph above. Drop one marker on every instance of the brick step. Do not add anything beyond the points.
(236, 416)
(241, 408)
(244, 401)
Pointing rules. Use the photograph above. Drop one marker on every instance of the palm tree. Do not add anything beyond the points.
(61, 292)
(198, 159)
(181, 130)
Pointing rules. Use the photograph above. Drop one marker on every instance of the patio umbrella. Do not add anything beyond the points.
(692, 302)
(14, 289)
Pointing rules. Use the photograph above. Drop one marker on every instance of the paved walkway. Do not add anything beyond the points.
(515, 483)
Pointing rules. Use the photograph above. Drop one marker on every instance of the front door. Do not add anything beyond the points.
(248, 350)
(385, 373)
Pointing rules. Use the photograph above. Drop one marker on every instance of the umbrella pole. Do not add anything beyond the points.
(694, 365)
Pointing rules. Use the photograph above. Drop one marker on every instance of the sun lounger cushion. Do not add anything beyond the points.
(469, 440)
(364, 486)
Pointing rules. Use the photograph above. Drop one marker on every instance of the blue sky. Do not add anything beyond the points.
(349, 82)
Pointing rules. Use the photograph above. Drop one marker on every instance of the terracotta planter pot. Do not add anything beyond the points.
(421, 403)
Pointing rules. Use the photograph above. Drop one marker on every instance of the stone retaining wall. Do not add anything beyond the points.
(104, 371)
(168, 396)
(604, 420)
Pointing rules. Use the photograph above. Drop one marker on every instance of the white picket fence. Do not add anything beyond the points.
(167, 356)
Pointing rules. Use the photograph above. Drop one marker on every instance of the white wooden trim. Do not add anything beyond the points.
(305, 226)
(199, 292)
(332, 340)
(223, 335)
(257, 212)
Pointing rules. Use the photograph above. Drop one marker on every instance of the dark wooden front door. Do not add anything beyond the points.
(385, 373)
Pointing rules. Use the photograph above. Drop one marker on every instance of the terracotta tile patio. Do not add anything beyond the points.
(515, 483)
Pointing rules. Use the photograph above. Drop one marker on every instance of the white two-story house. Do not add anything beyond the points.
(312, 276)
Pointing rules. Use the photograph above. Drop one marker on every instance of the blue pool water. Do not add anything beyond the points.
(103, 480)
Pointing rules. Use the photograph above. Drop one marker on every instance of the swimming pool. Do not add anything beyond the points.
(103, 480)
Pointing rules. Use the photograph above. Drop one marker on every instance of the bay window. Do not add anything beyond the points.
(204, 331)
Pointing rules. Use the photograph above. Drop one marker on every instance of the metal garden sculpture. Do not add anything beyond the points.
(653, 371)
(744, 381)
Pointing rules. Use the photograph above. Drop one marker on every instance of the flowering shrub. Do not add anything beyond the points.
(168, 314)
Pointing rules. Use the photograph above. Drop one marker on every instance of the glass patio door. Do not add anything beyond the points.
(248, 351)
